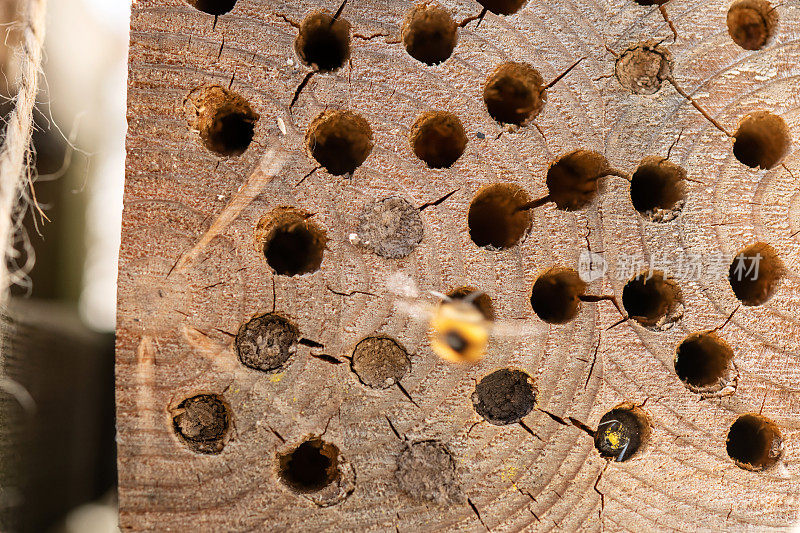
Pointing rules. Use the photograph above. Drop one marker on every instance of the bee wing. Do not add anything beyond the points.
(517, 328)
(415, 309)
(402, 285)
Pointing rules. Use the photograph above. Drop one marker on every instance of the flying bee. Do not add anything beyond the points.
(460, 325)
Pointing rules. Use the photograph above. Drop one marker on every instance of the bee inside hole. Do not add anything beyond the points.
(622, 432)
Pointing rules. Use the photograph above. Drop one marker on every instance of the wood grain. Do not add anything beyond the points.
(174, 324)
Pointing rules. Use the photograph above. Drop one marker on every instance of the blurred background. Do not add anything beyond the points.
(57, 464)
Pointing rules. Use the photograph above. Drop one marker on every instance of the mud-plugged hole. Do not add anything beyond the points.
(514, 93)
(761, 140)
(752, 23)
(703, 360)
(391, 228)
(653, 300)
(223, 119)
(266, 342)
(380, 362)
(754, 442)
(504, 397)
(323, 43)
(310, 467)
(643, 67)
(497, 217)
(426, 471)
(622, 432)
(213, 7)
(572, 181)
(438, 138)
(339, 140)
(503, 7)
(429, 33)
(202, 423)
(754, 274)
(555, 296)
(479, 299)
(657, 189)
(290, 242)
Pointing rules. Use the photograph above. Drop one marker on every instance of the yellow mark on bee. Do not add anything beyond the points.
(614, 437)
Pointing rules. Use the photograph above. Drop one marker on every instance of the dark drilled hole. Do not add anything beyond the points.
(555, 296)
(702, 360)
(754, 442)
(657, 189)
(202, 423)
(292, 244)
(310, 467)
(266, 342)
(225, 121)
(438, 138)
(514, 93)
(755, 273)
(323, 43)
(503, 7)
(504, 397)
(213, 7)
(651, 299)
(761, 140)
(752, 23)
(339, 140)
(572, 181)
(621, 433)
(429, 34)
(497, 218)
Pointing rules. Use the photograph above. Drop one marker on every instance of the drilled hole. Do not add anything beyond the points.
(642, 68)
(291, 243)
(503, 7)
(702, 360)
(391, 228)
(657, 189)
(752, 23)
(310, 467)
(504, 397)
(754, 274)
(621, 432)
(555, 297)
(213, 7)
(652, 300)
(762, 140)
(480, 300)
(202, 423)
(496, 216)
(380, 362)
(572, 181)
(648, 3)
(438, 138)
(429, 34)
(754, 442)
(426, 471)
(339, 140)
(266, 342)
(514, 93)
(224, 120)
(323, 43)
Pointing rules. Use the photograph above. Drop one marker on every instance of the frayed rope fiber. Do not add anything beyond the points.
(15, 153)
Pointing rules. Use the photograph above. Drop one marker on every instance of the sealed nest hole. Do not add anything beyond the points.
(438, 138)
(503, 7)
(290, 242)
(622, 432)
(202, 423)
(642, 68)
(657, 189)
(755, 273)
(754, 442)
(429, 34)
(556, 294)
(380, 362)
(752, 23)
(391, 228)
(653, 300)
(426, 471)
(480, 300)
(339, 140)
(572, 181)
(514, 93)
(323, 43)
(761, 140)
(266, 342)
(504, 397)
(703, 361)
(497, 216)
(225, 121)
(213, 7)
